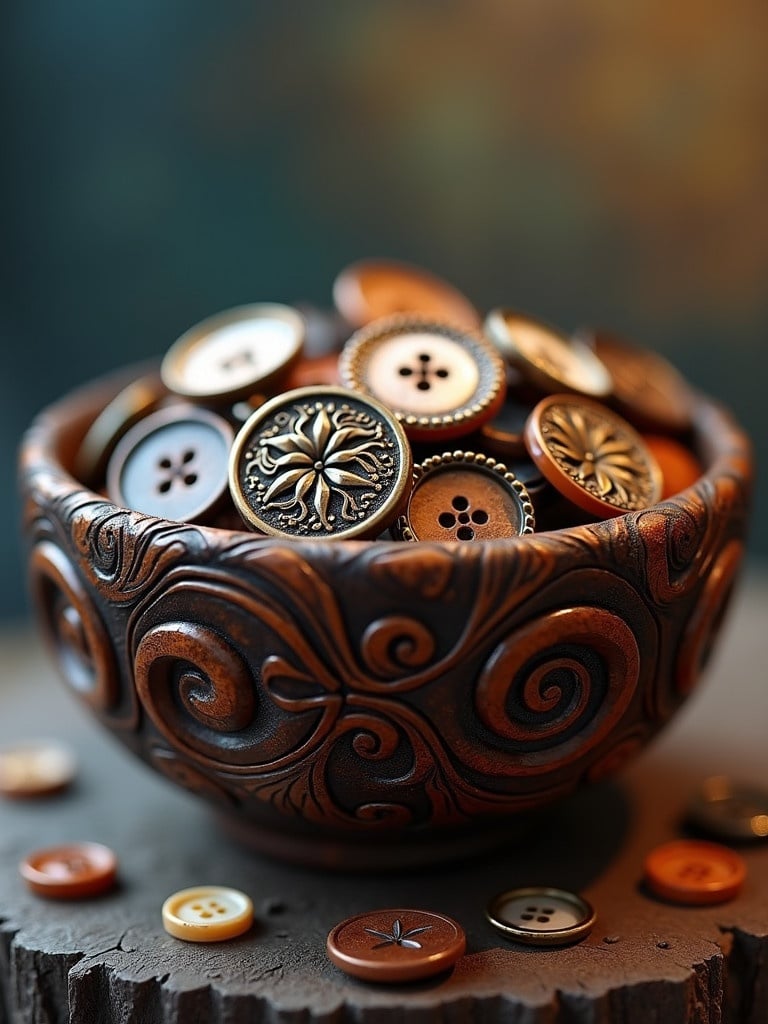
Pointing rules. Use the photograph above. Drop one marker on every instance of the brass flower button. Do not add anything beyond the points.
(320, 462)
(440, 382)
(592, 456)
(541, 916)
(235, 353)
(465, 496)
(546, 357)
(371, 289)
(396, 945)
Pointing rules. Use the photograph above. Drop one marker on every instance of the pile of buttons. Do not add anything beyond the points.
(403, 415)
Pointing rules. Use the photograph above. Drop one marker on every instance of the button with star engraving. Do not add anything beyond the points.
(172, 464)
(465, 496)
(541, 916)
(235, 353)
(439, 381)
(545, 357)
(691, 871)
(207, 913)
(592, 456)
(320, 462)
(730, 810)
(396, 945)
(36, 768)
(372, 289)
(70, 872)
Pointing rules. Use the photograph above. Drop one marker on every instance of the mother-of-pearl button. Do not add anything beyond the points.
(541, 916)
(207, 913)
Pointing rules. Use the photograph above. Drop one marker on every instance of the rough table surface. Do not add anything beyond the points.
(109, 960)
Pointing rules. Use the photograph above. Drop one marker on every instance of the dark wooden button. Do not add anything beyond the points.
(70, 872)
(592, 456)
(440, 382)
(730, 810)
(396, 945)
(691, 871)
(36, 769)
(320, 462)
(541, 916)
(371, 289)
(465, 496)
(647, 389)
(172, 464)
(235, 353)
(679, 466)
(546, 357)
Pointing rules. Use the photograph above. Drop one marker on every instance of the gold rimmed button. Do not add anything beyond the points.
(320, 462)
(371, 289)
(546, 357)
(440, 382)
(541, 916)
(235, 353)
(592, 456)
(465, 496)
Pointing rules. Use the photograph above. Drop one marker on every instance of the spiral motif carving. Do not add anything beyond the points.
(395, 645)
(196, 688)
(74, 629)
(555, 687)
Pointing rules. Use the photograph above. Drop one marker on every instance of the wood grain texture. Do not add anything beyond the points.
(108, 960)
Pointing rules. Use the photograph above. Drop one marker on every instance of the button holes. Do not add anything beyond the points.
(465, 533)
(405, 371)
(542, 919)
(205, 913)
(442, 372)
(197, 906)
(424, 357)
(526, 917)
(164, 463)
(447, 520)
(221, 910)
(460, 503)
(531, 910)
(423, 385)
(164, 486)
(190, 478)
(463, 517)
(480, 516)
(188, 455)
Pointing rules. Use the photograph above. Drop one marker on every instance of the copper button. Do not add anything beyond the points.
(730, 810)
(541, 916)
(36, 769)
(172, 464)
(371, 289)
(545, 356)
(694, 872)
(465, 496)
(73, 871)
(396, 945)
(439, 382)
(320, 462)
(207, 913)
(592, 456)
(235, 353)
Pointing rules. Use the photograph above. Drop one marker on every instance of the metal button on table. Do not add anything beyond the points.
(235, 353)
(172, 464)
(541, 916)
(320, 462)
(33, 769)
(440, 382)
(730, 810)
(465, 496)
(695, 872)
(396, 945)
(207, 913)
(72, 871)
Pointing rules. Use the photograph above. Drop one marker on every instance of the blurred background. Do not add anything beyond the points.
(598, 162)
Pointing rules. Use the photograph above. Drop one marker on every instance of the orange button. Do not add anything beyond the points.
(371, 289)
(36, 769)
(679, 467)
(396, 945)
(696, 872)
(207, 913)
(70, 872)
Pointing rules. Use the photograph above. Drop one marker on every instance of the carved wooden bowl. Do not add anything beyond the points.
(367, 703)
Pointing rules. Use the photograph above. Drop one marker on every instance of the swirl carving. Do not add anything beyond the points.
(397, 644)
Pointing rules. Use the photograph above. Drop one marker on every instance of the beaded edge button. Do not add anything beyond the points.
(312, 406)
(584, 913)
(85, 869)
(484, 402)
(207, 913)
(475, 461)
(691, 871)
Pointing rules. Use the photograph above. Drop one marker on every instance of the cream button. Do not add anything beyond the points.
(235, 353)
(541, 916)
(207, 913)
(36, 769)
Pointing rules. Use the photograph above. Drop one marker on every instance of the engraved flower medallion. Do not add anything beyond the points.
(592, 456)
(320, 462)
(398, 936)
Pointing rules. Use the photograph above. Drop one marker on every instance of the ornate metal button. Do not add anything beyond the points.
(647, 389)
(541, 916)
(172, 464)
(440, 382)
(545, 356)
(730, 810)
(371, 289)
(465, 496)
(235, 353)
(207, 913)
(320, 462)
(36, 769)
(694, 872)
(592, 456)
(70, 872)
(396, 945)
